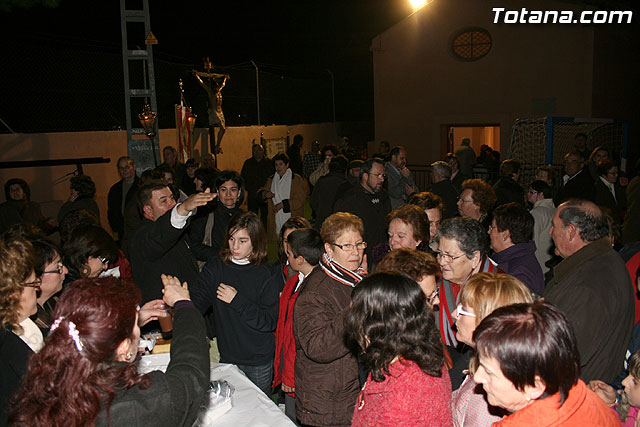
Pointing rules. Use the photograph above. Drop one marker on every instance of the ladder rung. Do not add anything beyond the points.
(134, 13)
(139, 92)
(137, 54)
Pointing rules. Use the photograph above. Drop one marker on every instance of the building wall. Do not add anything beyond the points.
(531, 71)
(50, 185)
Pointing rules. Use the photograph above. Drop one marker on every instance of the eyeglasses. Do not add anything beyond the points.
(59, 269)
(103, 260)
(462, 312)
(447, 258)
(435, 294)
(349, 247)
(380, 175)
(461, 200)
(35, 284)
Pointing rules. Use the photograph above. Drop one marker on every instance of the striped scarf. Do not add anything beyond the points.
(340, 273)
(448, 303)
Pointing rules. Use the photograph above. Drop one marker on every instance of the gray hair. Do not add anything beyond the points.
(588, 218)
(470, 235)
(442, 169)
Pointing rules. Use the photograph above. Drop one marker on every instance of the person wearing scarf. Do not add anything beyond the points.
(461, 246)
(285, 193)
(326, 371)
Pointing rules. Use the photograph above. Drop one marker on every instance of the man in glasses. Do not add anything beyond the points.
(369, 201)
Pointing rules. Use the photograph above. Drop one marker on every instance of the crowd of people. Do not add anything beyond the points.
(466, 303)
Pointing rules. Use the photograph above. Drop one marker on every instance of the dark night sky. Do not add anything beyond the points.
(55, 59)
(294, 38)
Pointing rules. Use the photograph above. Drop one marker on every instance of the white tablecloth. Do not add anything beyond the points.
(251, 407)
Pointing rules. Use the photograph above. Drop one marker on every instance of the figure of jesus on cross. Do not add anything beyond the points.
(213, 84)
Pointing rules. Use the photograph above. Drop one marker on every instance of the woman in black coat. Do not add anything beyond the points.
(86, 373)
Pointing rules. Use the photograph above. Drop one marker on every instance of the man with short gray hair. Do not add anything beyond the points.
(592, 287)
(443, 187)
(120, 193)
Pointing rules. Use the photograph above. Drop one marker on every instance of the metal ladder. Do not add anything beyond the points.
(138, 145)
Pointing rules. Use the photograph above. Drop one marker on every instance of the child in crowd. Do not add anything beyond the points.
(236, 286)
(281, 267)
(625, 402)
(304, 250)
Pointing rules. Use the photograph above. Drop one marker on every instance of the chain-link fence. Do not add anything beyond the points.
(52, 88)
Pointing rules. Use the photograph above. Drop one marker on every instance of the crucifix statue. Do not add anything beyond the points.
(213, 84)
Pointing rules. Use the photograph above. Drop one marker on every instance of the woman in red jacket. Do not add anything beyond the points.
(408, 383)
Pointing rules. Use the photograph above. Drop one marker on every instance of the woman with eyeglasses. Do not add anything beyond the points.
(482, 294)
(52, 273)
(326, 372)
(88, 252)
(462, 248)
(19, 335)
(476, 201)
(420, 266)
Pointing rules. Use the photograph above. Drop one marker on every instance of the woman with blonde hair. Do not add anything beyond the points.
(483, 293)
(19, 335)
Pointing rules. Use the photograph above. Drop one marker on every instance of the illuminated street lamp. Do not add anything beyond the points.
(148, 121)
(417, 4)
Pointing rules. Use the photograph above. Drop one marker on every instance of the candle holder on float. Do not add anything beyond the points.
(148, 121)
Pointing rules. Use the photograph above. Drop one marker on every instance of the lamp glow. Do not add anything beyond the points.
(417, 4)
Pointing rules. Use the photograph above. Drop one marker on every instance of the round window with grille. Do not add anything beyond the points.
(471, 44)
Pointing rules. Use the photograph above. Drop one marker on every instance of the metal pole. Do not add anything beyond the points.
(257, 90)
(333, 94)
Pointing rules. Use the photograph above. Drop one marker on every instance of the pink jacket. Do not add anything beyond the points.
(406, 397)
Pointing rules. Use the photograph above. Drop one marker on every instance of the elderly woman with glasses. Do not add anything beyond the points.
(326, 372)
(462, 247)
(482, 294)
(477, 200)
(420, 266)
(19, 335)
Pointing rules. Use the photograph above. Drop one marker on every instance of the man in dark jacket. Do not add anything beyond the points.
(457, 177)
(327, 187)
(120, 194)
(255, 171)
(369, 202)
(507, 188)
(443, 187)
(576, 182)
(158, 245)
(593, 289)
